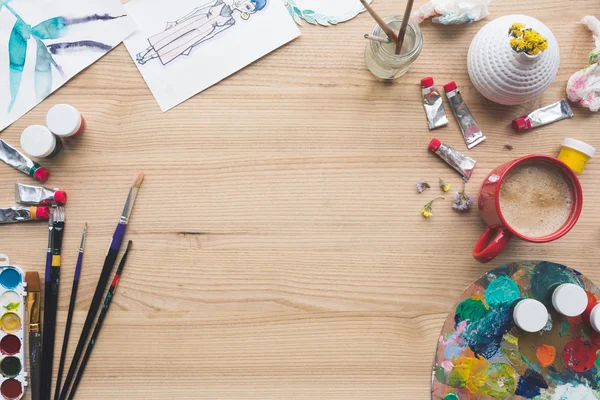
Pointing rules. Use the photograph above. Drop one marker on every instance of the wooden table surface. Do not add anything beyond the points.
(279, 251)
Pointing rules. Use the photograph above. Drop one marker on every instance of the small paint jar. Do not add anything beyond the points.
(595, 318)
(530, 315)
(38, 141)
(576, 154)
(381, 58)
(64, 120)
(570, 300)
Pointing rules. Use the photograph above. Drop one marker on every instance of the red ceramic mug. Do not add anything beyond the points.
(498, 232)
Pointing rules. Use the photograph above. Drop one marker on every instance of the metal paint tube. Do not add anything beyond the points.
(470, 130)
(21, 214)
(457, 160)
(38, 195)
(433, 104)
(544, 116)
(19, 161)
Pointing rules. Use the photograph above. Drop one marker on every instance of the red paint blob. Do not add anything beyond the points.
(579, 356)
(11, 389)
(10, 345)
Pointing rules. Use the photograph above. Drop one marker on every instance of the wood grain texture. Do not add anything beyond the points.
(279, 252)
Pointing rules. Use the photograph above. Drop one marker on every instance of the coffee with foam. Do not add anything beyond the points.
(536, 199)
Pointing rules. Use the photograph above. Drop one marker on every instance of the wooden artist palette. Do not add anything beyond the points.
(481, 354)
(13, 374)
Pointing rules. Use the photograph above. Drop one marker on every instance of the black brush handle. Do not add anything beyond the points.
(63, 353)
(109, 263)
(35, 358)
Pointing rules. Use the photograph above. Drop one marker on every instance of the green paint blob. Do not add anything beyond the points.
(469, 309)
(451, 396)
(10, 367)
(546, 276)
(439, 374)
(501, 291)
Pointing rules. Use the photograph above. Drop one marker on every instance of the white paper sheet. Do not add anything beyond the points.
(325, 13)
(79, 33)
(185, 46)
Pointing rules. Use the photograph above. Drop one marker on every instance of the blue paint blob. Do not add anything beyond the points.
(484, 336)
(530, 384)
(10, 278)
(501, 291)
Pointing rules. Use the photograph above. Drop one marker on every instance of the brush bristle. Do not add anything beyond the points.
(137, 182)
(59, 214)
(33, 281)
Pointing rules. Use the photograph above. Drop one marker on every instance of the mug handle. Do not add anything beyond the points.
(491, 243)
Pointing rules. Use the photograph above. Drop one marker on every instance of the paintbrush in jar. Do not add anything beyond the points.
(63, 352)
(109, 263)
(103, 312)
(384, 27)
(404, 25)
(34, 299)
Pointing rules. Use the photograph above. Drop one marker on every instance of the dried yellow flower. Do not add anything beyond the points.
(445, 186)
(427, 210)
(526, 41)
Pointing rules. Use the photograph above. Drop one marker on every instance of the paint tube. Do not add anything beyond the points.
(37, 195)
(18, 161)
(544, 116)
(470, 130)
(433, 104)
(21, 214)
(457, 160)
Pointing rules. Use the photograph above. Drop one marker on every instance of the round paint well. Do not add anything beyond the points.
(10, 322)
(10, 278)
(10, 367)
(10, 345)
(11, 389)
(10, 300)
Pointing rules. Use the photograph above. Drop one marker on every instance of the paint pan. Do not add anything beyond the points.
(13, 372)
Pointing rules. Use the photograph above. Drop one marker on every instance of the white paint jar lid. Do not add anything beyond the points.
(38, 141)
(595, 318)
(63, 120)
(569, 300)
(530, 315)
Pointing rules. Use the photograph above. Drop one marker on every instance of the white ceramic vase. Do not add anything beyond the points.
(505, 76)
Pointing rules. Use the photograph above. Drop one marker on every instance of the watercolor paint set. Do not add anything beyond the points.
(13, 372)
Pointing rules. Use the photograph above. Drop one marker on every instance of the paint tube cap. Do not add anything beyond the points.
(63, 120)
(41, 174)
(595, 318)
(42, 212)
(434, 145)
(530, 315)
(569, 299)
(427, 82)
(60, 197)
(521, 123)
(38, 141)
(450, 86)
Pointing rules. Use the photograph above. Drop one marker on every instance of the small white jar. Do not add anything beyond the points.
(530, 315)
(64, 120)
(38, 141)
(595, 318)
(570, 300)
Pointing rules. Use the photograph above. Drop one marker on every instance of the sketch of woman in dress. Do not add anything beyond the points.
(200, 25)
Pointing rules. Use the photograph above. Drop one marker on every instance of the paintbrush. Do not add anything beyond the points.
(63, 352)
(109, 263)
(385, 27)
(51, 303)
(404, 25)
(35, 332)
(103, 312)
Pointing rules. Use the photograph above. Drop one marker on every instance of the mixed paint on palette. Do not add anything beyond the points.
(482, 355)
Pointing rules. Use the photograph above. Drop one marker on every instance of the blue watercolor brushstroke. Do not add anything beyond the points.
(17, 52)
(53, 28)
(92, 18)
(43, 72)
(82, 45)
(484, 336)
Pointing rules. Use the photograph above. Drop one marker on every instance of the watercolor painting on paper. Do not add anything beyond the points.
(44, 43)
(324, 13)
(185, 46)
(482, 355)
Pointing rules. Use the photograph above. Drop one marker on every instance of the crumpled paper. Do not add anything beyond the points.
(453, 12)
(584, 86)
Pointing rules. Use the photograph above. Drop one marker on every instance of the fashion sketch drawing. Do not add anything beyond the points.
(201, 24)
